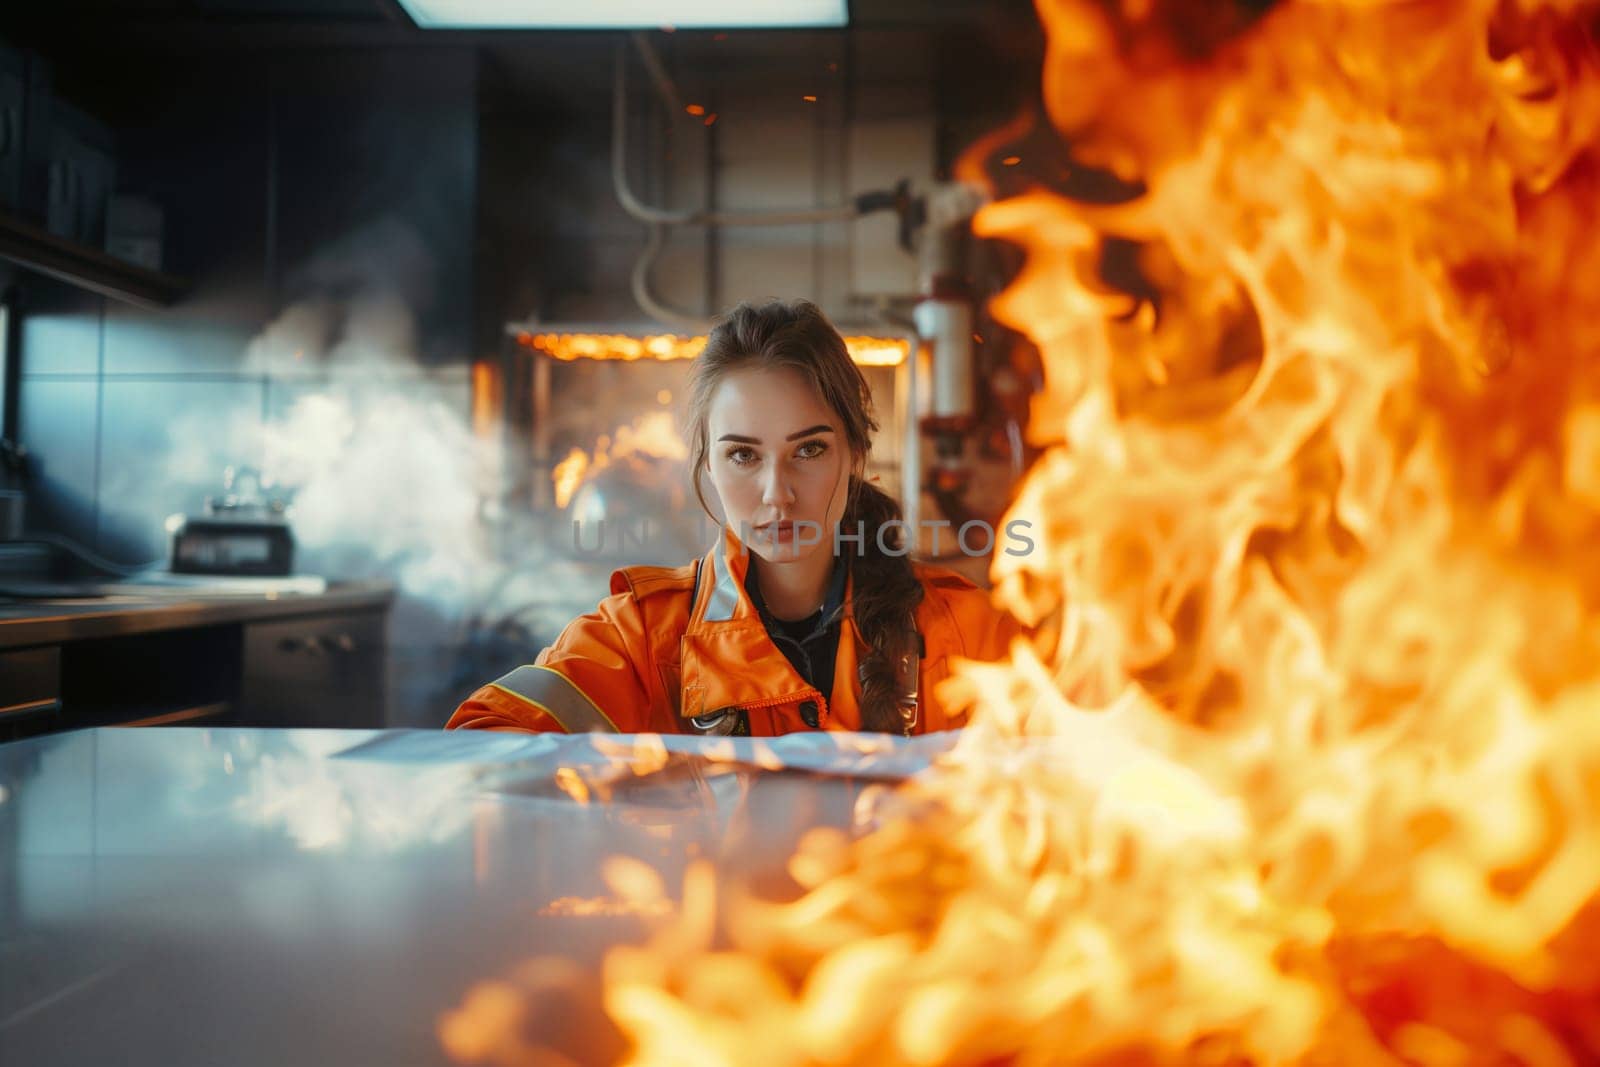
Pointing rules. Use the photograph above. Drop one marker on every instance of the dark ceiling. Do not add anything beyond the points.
(983, 51)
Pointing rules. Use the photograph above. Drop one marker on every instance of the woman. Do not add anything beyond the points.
(807, 615)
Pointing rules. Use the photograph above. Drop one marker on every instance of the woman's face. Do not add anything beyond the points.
(779, 462)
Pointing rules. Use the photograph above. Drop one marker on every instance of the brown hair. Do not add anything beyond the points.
(886, 591)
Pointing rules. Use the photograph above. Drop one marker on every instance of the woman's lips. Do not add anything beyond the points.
(779, 531)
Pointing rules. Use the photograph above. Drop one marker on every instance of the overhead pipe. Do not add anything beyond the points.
(680, 320)
(648, 213)
(899, 200)
(664, 83)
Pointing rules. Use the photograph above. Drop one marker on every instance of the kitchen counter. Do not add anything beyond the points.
(243, 653)
(45, 620)
(258, 897)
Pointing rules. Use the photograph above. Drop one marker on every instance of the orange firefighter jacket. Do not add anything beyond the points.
(674, 649)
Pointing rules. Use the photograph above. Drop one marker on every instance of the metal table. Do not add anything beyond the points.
(208, 896)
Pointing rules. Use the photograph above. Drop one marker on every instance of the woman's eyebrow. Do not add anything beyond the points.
(819, 428)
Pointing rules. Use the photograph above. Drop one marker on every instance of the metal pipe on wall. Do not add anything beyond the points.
(649, 213)
(660, 218)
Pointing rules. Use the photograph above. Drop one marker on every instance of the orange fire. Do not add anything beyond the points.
(1303, 764)
(487, 397)
(653, 435)
(569, 347)
(568, 475)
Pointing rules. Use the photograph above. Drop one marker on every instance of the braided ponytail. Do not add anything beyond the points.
(884, 601)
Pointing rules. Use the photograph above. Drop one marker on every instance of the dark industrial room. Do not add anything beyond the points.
(803, 532)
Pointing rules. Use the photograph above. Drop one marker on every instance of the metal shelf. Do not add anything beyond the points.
(88, 268)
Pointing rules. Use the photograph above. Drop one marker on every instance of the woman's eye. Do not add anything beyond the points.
(811, 449)
(742, 457)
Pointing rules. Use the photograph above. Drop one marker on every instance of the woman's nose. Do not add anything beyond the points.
(776, 488)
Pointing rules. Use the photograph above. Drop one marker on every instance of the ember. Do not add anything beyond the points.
(1309, 768)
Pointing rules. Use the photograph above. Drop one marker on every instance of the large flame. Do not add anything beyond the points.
(1303, 765)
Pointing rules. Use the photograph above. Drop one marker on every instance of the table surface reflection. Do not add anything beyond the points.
(208, 896)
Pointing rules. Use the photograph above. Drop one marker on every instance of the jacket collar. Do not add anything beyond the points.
(724, 596)
(726, 657)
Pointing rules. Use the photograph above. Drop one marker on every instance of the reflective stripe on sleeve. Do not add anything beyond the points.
(554, 694)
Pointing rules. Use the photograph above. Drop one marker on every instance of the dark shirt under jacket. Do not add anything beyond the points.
(811, 644)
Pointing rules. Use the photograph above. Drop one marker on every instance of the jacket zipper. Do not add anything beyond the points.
(770, 702)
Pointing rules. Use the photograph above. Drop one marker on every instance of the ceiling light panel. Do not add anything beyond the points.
(623, 14)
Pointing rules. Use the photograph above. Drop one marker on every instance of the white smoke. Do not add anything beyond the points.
(375, 451)
(386, 475)
(392, 476)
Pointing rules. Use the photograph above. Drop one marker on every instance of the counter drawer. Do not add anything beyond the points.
(317, 671)
(30, 690)
(30, 680)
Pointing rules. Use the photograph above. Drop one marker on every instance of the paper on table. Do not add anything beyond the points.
(846, 755)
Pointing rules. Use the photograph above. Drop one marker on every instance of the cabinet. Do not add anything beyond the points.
(80, 176)
(13, 77)
(58, 170)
